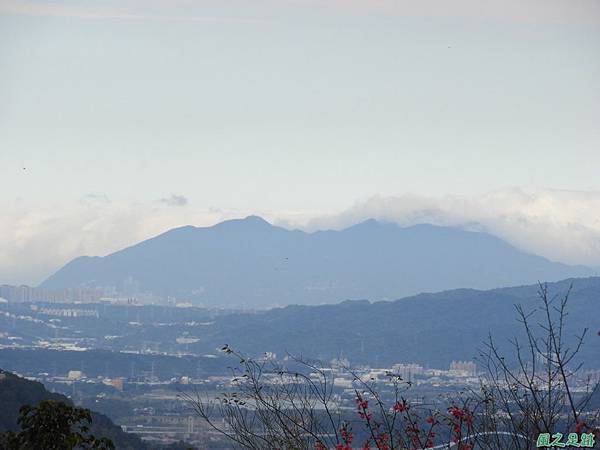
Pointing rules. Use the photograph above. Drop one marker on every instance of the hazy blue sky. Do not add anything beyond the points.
(188, 110)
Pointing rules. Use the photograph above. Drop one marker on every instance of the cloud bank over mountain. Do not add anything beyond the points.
(560, 225)
(249, 263)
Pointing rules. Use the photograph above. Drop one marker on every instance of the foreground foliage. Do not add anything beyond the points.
(54, 425)
(276, 408)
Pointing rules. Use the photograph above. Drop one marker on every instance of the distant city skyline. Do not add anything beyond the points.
(119, 121)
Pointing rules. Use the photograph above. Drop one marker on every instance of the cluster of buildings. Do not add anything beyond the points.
(65, 312)
(460, 371)
(33, 294)
(463, 368)
(29, 294)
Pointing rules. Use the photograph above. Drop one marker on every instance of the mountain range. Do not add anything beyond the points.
(250, 263)
(432, 329)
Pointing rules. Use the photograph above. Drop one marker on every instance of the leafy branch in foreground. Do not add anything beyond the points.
(54, 425)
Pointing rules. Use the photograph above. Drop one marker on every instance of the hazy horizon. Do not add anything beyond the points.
(119, 121)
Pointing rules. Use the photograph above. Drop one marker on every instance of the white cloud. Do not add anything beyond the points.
(36, 242)
(560, 225)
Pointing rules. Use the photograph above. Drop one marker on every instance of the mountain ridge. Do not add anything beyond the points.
(253, 263)
(429, 328)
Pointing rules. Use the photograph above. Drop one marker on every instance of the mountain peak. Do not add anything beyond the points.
(247, 223)
(371, 225)
(249, 262)
(255, 219)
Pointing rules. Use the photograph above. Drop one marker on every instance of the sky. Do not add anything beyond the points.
(121, 119)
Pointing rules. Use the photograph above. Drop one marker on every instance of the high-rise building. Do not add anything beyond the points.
(407, 371)
(463, 368)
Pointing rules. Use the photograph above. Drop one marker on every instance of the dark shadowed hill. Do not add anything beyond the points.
(16, 392)
(432, 329)
(251, 263)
